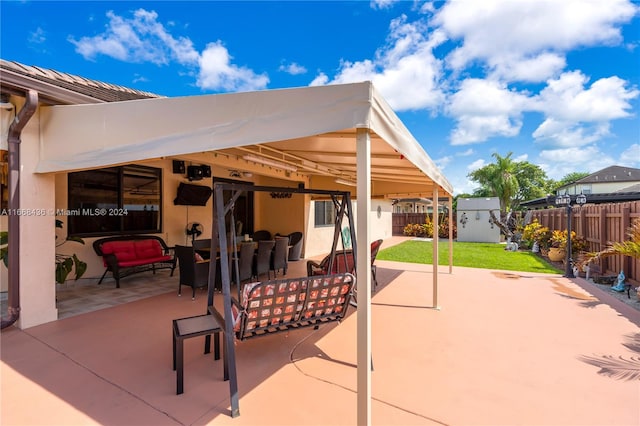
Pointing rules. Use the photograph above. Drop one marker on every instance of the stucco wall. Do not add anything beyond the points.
(37, 234)
(319, 239)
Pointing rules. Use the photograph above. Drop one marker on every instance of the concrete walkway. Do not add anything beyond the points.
(503, 348)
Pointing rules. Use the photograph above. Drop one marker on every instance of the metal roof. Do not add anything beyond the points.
(610, 174)
(55, 88)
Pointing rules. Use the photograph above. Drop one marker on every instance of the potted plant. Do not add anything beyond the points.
(558, 248)
(67, 263)
(542, 237)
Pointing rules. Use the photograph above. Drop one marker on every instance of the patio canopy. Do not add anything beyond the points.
(338, 131)
(312, 130)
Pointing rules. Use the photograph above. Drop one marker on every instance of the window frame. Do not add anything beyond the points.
(324, 223)
(121, 171)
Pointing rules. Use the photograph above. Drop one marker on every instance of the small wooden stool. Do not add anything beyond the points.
(184, 328)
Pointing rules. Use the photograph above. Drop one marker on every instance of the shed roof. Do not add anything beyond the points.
(479, 203)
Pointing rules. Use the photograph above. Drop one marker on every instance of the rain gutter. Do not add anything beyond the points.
(14, 140)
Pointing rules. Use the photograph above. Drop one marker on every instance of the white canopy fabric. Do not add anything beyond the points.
(76, 137)
(340, 131)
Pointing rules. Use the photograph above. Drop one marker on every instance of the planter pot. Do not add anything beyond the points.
(556, 254)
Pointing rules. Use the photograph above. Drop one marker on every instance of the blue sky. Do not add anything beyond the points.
(555, 82)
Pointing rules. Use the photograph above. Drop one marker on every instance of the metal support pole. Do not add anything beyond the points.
(569, 261)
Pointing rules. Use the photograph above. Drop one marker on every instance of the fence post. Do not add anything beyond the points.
(602, 225)
(625, 223)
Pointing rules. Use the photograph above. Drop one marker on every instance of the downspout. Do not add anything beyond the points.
(14, 140)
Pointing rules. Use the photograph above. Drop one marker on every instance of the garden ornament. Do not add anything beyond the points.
(620, 283)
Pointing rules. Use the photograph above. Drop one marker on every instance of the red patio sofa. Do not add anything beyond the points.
(129, 254)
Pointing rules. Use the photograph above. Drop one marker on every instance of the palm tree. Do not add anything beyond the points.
(629, 248)
(500, 179)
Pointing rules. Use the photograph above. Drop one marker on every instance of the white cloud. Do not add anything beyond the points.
(143, 38)
(320, 80)
(566, 98)
(405, 71)
(293, 68)
(478, 164)
(139, 39)
(529, 69)
(382, 4)
(521, 157)
(466, 153)
(217, 72)
(38, 36)
(443, 161)
(578, 116)
(631, 156)
(557, 163)
(502, 33)
(484, 109)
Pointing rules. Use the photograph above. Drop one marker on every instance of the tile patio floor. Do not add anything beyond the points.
(504, 348)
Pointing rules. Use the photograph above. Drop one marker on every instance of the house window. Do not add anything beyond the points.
(115, 200)
(325, 213)
(586, 189)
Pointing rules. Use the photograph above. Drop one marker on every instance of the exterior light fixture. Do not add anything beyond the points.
(270, 162)
(345, 182)
(565, 200)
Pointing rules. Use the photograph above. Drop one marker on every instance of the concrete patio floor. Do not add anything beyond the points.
(504, 348)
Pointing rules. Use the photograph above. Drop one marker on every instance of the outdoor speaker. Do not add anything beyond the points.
(178, 167)
(206, 171)
(194, 172)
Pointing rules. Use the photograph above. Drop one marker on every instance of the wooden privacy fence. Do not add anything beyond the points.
(400, 220)
(599, 225)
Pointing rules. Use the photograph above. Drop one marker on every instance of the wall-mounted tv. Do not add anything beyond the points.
(192, 195)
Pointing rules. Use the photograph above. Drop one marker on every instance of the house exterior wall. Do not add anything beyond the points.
(598, 188)
(49, 192)
(319, 239)
(37, 234)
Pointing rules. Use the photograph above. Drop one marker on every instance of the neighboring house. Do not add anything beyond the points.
(608, 180)
(92, 145)
(609, 185)
(413, 205)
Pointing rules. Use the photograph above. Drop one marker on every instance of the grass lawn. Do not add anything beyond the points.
(472, 255)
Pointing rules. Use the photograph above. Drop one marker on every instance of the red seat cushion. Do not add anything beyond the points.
(123, 250)
(339, 264)
(147, 249)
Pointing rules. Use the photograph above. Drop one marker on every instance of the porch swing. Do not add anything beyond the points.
(277, 305)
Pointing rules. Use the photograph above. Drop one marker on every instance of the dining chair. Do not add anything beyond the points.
(262, 262)
(193, 273)
(295, 245)
(262, 234)
(279, 257)
(245, 262)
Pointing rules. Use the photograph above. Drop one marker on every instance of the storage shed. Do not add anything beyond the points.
(474, 221)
